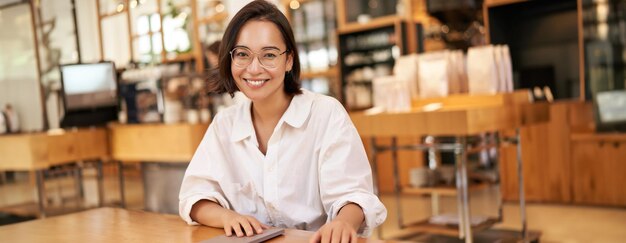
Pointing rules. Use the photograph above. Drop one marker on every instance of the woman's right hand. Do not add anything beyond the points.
(241, 225)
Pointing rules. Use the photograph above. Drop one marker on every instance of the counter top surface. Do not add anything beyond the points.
(455, 120)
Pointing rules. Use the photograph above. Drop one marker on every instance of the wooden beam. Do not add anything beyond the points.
(42, 94)
(130, 31)
(581, 49)
(101, 48)
(195, 38)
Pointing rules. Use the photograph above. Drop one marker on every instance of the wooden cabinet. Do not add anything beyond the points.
(598, 169)
(566, 162)
(546, 155)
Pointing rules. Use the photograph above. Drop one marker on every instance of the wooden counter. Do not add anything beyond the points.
(34, 151)
(37, 152)
(119, 225)
(456, 121)
(458, 116)
(155, 142)
(598, 165)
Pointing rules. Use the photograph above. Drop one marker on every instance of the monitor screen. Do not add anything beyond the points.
(89, 86)
(611, 106)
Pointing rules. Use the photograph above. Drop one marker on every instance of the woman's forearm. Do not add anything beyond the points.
(209, 213)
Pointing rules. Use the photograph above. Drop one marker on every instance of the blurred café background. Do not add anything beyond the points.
(488, 119)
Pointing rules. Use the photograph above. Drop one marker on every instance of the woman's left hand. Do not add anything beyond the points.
(337, 231)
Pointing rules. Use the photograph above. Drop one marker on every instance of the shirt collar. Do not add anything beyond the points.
(295, 115)
(298, 111)
(242, 125)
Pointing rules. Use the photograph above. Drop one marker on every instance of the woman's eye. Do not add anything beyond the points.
(269, 55)
(241, 54)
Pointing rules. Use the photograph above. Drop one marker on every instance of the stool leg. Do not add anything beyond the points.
(120, 169)
(41, 193)
(100, 182)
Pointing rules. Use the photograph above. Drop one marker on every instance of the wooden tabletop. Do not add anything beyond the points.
(32, 151)
(117, 225)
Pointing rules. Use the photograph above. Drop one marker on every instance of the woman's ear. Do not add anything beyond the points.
(289, 63)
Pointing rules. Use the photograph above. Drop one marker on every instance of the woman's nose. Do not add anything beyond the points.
(255, 65)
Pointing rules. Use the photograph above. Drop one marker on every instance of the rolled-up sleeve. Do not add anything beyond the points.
(345, 173)
(200, 182)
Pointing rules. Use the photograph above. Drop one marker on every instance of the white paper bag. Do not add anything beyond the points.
(405, 69)
(508, 68)
(481, 70)
(391, 94)
(433, 74)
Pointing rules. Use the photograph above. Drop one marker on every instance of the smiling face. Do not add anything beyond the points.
(260, 83)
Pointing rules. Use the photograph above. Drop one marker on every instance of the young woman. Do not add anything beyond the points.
(286, 157)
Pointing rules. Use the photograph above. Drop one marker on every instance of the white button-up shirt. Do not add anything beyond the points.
(315, 164)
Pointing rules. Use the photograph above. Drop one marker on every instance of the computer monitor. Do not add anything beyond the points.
(89, 93)
(611, 111)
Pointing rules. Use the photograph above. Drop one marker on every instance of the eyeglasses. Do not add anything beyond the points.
(268, 58)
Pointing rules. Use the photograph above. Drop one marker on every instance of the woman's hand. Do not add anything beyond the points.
(242, 225)
(338, 230)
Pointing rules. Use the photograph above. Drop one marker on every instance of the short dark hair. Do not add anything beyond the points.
(255, 10)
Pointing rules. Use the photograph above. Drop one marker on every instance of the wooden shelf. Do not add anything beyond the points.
(599, 137)
(213, 18)
(441, 190)
(449, 230)
(495, 3)
(330, 73)
(106, 15)
(183, 57)
(371, 48)
(373, 24)
(390, 61)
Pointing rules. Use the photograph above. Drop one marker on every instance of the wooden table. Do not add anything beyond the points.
(164, 151)
(120, 225)
(37, 152)
(457, 116)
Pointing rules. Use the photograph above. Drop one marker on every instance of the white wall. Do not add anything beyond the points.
(18, 68)
(88, 30)
(115, 40)
(62, 37)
